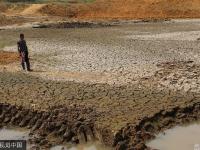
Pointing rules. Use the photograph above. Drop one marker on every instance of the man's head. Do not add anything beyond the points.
(21, 36)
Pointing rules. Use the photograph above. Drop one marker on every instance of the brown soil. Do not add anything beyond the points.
(5, 20)
(108, 10)
(78, 111)
(137, 9)
(76, 124)
(129, 9)
(8, 57)
(50, 127)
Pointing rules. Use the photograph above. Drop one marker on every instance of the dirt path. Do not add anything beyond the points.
(32, 10)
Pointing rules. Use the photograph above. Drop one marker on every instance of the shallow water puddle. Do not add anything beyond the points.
(86, 146)
(178, 138)
(13, 134)
(21, 134)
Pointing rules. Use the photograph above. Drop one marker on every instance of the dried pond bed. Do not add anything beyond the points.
(61, 124)
(124, 113)
(78, 112)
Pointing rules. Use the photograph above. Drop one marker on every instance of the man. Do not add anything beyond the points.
(23, 52)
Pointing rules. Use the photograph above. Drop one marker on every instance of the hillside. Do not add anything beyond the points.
(129, 9)
(136, 9)
(111, 9)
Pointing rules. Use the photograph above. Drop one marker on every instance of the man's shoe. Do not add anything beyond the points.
(29, 70)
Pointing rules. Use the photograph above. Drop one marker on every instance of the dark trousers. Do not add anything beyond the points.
(25, 60)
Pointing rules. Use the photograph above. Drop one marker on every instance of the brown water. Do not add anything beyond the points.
(21, 134)
(178, 138)
(86, 146)
(13, 134)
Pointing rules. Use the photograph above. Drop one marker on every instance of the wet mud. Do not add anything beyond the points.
(73, 24)
(80, 112)
(135, 137)
(45, 126)
(156, 87)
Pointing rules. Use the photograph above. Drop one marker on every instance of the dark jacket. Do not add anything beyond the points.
(22, 47)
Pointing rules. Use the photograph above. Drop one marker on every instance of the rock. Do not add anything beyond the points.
(62, 130)
(36, 140)
(44, 126)
(78, 124)
(90, 134)
(24, 122)
(167, 121)
(32, 122)
(140, 146)
(9, 108)
(122, 145)
(147, 136)
(45, 115)
(82, 136)
(148, 127)
(58, 124)
(118, 138)
(18, 115)
(35, 147)
(12, 121)
(50, 126)
(68, 135)
(2, 117)
(75, 140)
(37, 125)
(81, 119)
(13, 111)
(7, 119)
(43, 142)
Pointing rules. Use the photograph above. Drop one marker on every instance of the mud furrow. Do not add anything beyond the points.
(135, 136)
(44, 123)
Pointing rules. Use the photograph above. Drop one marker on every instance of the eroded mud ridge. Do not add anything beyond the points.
(63, 124)
(122, 116)
(75, 24)
(71, 125)
(135, 137)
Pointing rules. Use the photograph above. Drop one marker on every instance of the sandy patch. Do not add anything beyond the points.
(8, 57)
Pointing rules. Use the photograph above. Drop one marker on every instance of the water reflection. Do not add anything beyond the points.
(86, 146)
(13, 134)
(21, 134)
(178, 138)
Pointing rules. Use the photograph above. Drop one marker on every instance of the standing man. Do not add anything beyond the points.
(23, 52)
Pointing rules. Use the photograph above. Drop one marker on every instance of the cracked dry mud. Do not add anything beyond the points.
(123, 114)
(138, 111)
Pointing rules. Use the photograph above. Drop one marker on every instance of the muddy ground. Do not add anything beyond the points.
(8, 57)
(124, 83)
